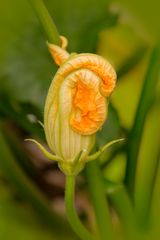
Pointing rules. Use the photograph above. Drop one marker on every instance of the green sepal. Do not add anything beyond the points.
(44, 151)
(102, 149)
(74, 166)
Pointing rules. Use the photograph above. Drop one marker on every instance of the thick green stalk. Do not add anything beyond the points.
(73, 218)
(98, 198)
(147, 166)
(146, 99)
(46, 21)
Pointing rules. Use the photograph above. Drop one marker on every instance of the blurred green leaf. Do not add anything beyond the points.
(22, 224)
(120, 44)
(28, 69)
(28, 191)
(146, 100)
(147, 165)
(13, 19)
(145, 15)
(115, 169)
(23, 114)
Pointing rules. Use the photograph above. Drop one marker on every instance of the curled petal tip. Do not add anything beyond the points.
(64, 42)
(59, 53)
(109, 82)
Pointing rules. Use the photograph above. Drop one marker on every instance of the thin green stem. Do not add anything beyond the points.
(146, 99)
(46, 21)
(98, 197)
(73, 218)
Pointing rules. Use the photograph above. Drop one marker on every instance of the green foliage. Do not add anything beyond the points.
(26, 73)
(28, 64)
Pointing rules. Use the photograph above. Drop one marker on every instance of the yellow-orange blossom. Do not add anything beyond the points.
(76, 105)
(89, 109)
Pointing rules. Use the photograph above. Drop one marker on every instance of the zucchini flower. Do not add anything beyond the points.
(76, 107)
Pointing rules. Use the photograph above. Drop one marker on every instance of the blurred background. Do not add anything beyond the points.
(31, 187)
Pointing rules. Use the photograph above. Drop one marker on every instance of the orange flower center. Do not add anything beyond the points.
(89, 109)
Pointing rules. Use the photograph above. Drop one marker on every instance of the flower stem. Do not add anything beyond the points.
(98, 196)
(46, 21)
(73, 218)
